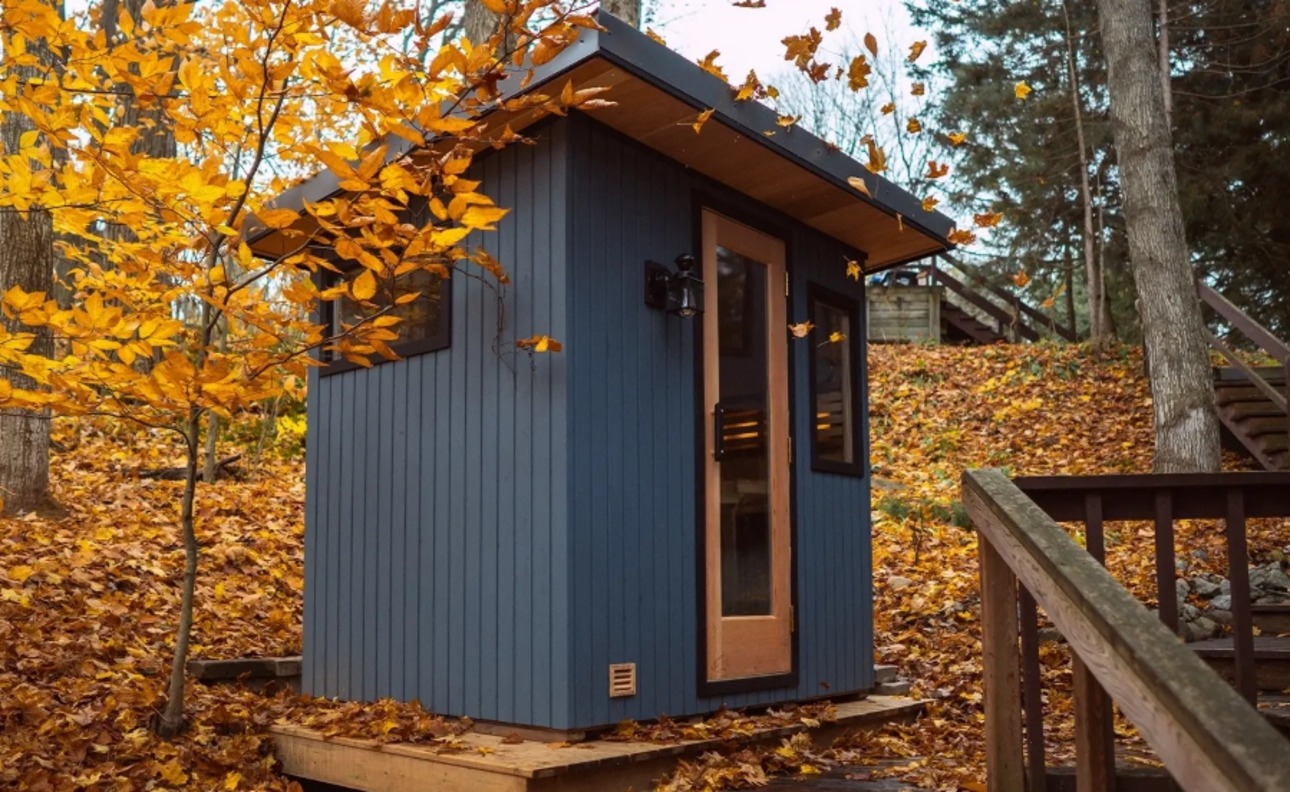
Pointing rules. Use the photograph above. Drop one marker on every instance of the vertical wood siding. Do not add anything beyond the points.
(632, 453)
(436, 500)
(490, 535)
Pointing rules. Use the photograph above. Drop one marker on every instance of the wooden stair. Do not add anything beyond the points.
(960, 327)
(1259, 426)
(1271, 661)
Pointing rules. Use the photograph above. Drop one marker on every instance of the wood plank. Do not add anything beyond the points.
(488, 764)
(1185, 712)
(999, 628)
(250, 667)
(1094, 753)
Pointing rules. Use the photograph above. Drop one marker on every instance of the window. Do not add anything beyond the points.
(836, 443)
(426, 324)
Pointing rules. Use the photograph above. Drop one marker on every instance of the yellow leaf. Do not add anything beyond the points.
(276, 218)
(232, 780)
(853, 270)
(702, 119)
(859, 183)
(929, 203)
(19, 574)
(957, 138)
(807, 769)
(916, 49)
(540, 343)
(364, 286)
(801, 329)
(1021, 90)
(836, 337)
(649, 31)
(833, 20)
(172, 772)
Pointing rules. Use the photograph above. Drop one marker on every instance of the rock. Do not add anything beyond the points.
(1221, 602)
(1225, 586)
(1219, 616)
(1183, 588)
(900, 688)
(1269, 578)
(1205, 588)
(1180, 564)
(1198, 630)
(881, 483)
(884, 673)
(1049, 635)
(1189, 612)
(1200, 555)
(896, 582)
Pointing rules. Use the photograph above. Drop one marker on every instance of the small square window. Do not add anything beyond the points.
(836, 440)
(426, 325)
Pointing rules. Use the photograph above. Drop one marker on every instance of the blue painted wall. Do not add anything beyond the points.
(632, 441)
(489, 533)
(436, 538)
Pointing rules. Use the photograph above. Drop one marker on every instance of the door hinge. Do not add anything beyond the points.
(792, 619)
(785, 284)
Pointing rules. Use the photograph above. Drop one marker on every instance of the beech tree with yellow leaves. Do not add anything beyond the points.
(256, 94)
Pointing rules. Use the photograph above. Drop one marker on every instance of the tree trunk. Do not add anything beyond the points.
(26, 261)
(172, 718)
(1162, 52)
(1092, 269)
(1181, 380)
(1068, 273)
(628, 11)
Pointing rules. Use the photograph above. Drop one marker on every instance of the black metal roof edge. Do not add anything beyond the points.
(674, 73)
(636, 52)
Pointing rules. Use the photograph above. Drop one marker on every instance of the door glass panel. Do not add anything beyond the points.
(743, 372)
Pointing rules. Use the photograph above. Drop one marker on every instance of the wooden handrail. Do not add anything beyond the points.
(979, 279)
(1005, 320)
(1206, 735)
(1241, 321)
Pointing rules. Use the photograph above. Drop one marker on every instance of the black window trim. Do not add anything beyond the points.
(817, 293)
(404, 349)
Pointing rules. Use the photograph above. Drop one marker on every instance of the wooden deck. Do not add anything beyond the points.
(488, 764)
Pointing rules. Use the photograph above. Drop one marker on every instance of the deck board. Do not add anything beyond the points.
(489, 765)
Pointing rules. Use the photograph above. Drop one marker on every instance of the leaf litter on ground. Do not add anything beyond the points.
(89, 599)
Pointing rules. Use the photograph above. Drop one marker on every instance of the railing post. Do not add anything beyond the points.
(1003, 745)
(1167, 590)
(1094, 719)
(1032, 694)
(1238, 563)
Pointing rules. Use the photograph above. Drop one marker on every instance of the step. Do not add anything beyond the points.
(1275, 707)
(1274, 443)
(1231, 394)
(1271, 659)
(1256, 427)
(1240, 411)
(1272, 619)
(1273, 374)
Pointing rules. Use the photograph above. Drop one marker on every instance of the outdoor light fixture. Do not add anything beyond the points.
(679, 292)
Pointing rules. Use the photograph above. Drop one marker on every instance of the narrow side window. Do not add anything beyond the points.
(835, 428)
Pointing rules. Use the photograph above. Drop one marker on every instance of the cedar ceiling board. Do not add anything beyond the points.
(661, 122)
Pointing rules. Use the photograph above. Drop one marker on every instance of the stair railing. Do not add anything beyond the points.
(1189, 715)
(1009, 321)
(1260, 336)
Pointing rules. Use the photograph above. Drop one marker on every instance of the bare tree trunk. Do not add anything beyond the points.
(210, 463)
(628, 11)
(1093, 271)
(26, 261)
(1162, 51)
(1068, 271)
(1172, 326)
(172, 718)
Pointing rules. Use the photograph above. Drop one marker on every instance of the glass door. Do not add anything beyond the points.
(745, 382)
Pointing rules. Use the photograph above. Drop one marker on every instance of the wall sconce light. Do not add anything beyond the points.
(679, 292)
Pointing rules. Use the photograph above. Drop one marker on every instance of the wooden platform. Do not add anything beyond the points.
(490, 765)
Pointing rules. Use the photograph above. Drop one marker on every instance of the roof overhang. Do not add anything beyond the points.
(658, 94)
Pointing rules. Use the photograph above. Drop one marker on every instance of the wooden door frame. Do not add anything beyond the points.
(773, 225)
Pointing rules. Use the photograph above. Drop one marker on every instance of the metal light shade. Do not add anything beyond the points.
(686, 288)
(679, 293)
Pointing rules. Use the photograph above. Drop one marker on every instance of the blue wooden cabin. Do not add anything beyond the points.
(672, 514)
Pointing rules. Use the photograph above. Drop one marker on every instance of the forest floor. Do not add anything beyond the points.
(88, 600)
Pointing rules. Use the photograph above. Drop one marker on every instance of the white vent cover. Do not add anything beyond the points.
(622, 680)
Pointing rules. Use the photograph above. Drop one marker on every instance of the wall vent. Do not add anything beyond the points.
(622, 680)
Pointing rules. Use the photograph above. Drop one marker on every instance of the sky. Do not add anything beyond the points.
(750, 37)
